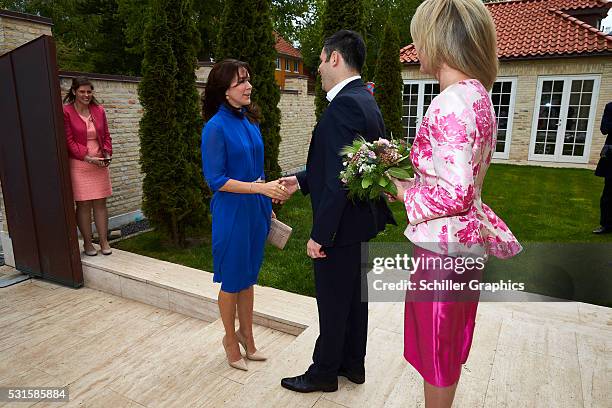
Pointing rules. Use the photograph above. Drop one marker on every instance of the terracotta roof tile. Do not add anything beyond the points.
(284, 47)
(541, 28)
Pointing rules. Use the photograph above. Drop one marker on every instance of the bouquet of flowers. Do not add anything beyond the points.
(368, 167)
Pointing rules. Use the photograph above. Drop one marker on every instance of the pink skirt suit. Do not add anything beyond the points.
(447, 218)
(88, 136)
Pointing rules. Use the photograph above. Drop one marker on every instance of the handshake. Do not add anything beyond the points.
(279, 190)
(282, 189)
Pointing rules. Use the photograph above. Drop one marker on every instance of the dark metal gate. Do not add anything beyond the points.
(34, 168)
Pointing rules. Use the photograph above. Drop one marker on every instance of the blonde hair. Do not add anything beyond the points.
(460, 33)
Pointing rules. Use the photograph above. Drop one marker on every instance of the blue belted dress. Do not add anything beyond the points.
(232, 148)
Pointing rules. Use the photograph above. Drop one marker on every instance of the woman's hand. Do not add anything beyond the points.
(272, 189)
(402, 186)
(273, 214)
(107, 159)
(96, 161)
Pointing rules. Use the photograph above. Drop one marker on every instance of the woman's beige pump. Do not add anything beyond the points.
(238, 364)
(256, 356)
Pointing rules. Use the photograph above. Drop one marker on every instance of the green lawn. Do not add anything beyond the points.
(540, 205)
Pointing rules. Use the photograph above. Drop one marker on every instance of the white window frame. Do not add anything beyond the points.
(421, 111)
(278, 64)
(287, 65)
(558, 157)
(506, 153)
(296, 66)
(420, 98)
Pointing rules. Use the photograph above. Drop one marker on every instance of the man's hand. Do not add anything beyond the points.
(291, 186)
(291, 183)
(314, 250)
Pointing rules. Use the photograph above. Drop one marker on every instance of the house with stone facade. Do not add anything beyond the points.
(554, 80)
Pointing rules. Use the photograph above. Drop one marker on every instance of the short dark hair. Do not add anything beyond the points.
(350, 45)
(219, 80)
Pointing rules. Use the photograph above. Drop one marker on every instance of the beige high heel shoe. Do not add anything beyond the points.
(238, 364)
(256, 356)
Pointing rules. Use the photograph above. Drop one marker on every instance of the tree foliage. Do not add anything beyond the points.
(309, 36)
(206, 17)
(173, 199)
(208, 20)
(110, 50)
(106, 36)
(378, 12)
(246, 34)
(388, 79)
(72, 30)
(309, 28)
(186, 45)
(289, 17)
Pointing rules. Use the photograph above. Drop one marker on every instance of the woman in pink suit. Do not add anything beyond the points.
(455, 43)
(90, 149)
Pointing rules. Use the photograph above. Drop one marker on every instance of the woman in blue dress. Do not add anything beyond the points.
(241, 207)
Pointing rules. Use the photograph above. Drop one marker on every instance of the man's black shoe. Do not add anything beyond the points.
(303, 383)
(353, 376)
(602, 230)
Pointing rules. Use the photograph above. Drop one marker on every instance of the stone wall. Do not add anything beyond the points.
(119, 96)
(17, 29)
(527, 73)
(297, 122)
(203, 70)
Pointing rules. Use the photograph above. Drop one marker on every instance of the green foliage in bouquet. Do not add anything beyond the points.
(369, 166)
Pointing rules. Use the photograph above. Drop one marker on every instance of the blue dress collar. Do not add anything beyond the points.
(230, 109)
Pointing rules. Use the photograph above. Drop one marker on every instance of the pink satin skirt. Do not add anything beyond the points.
(437, 335)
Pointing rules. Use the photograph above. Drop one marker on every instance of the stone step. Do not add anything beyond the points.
(190, 291)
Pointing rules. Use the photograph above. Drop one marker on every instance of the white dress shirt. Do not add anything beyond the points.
(332, 94)
(338, 87)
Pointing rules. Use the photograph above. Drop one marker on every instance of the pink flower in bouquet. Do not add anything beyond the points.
(382, 142)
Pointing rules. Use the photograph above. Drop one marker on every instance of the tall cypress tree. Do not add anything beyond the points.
(246, 34)
(388, 79)
(186, 43)
(338, 15)
(171, 194)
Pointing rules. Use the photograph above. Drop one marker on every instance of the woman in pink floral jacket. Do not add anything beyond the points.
(455, 43)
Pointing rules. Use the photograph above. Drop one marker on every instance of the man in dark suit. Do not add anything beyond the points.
(340, 225)
(604, 169)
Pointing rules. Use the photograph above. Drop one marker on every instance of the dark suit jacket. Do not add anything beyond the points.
(604, 167)
(337, 220)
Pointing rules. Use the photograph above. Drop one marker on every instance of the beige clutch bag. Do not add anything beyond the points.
(279, 233)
